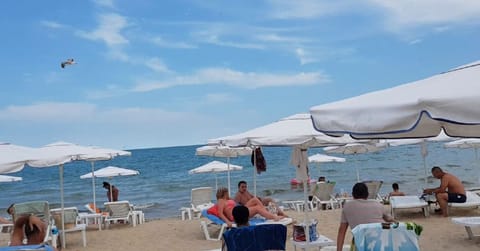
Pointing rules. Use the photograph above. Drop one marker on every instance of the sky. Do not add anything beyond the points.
(179, 72)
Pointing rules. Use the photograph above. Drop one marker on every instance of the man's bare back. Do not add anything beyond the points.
(452, 184)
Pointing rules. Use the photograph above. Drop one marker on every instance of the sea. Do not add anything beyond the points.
(164, 185)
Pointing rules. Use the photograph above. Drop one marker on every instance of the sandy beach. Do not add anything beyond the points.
(174, 234)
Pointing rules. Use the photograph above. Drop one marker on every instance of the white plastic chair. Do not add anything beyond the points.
(374, 189)
(41, 210)
(119, 210)
(323, 195)
(201, 198)
(72, 222)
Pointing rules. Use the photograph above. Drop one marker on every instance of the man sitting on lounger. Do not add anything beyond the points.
(451, 189)
(244, 197)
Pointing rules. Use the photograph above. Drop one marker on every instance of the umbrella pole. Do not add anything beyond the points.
(93, 186)
(255, 172)
(62, 205)
(111, 191)
(424, 153)
(305, 210)
(228, 174)
(216, 182)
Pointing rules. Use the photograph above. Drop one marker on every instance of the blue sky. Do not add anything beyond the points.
(164, 73)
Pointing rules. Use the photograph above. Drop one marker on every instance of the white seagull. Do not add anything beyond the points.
(69, 61)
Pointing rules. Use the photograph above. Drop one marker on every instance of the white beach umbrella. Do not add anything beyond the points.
(464, 144)
(215, 167)
(110, 172)
(100, 154)
(7, 178)
(356, 148)
(295, 130)
(418, 109)
(323, 158)
(225, 152)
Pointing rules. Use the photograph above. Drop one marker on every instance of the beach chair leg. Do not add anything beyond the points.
(220, 234)
(469, 232)
(84, 236)
(426, 211)
(204, 227)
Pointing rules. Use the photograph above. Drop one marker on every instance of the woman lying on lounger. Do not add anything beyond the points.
(223, 208)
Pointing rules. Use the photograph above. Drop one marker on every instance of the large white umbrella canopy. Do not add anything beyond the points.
(290, 131)
(215, 167)
(418, 109)
(464, 144)
(13, 157)
(8, 178)
(225, 152)
(323, 158)
(355, 148)
(110, 171)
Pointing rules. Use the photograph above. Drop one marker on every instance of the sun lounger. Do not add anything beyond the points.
(41, 210)
(374, 189)
(201, 198)
(468, 223)
(259, 237)
(405, 202)
(323, 196)
(72, 222)
(473, 201)
(119, 211)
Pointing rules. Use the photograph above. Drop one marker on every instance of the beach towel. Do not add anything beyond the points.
(258, 160)
(374, 237)
(41, 247)
(256, 238)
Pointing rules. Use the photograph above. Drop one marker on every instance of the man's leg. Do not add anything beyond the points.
(442, 199)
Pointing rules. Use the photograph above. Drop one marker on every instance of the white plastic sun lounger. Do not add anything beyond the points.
(473, 201)
(405, 202)
(468, 223)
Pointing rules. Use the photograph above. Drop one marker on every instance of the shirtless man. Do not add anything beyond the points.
(243, 196)
(451, 189)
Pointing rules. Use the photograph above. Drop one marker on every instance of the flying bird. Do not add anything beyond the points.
(69, 61)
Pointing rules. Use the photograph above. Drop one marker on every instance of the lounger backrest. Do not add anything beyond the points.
(201, 196)
(70, 214)
(118, 209)
(324, 190)
(37, 208)
(373, 188)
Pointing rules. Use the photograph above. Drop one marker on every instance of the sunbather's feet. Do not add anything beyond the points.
(278, 217)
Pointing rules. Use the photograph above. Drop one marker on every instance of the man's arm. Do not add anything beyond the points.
(342, 230)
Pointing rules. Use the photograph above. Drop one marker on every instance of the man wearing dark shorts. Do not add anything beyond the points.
(451, 189)
(457, 198)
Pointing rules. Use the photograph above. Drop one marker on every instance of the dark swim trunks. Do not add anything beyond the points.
(456, 198)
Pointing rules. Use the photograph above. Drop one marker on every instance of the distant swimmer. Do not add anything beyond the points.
(69, 61)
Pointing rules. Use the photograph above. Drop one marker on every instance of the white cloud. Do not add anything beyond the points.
(47, 112)
(52, 24)
(272, 37)
(415, 41)
(412, 13)
(157, 65)
(159, 41)
(226, 76)
(89, 124)
(304, 56)
(109, 30)
(287, 9)
(104, 3)
(214, 39)
(219, 98)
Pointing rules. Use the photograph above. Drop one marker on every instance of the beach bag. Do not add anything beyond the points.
(299, 231)
(258, 160)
